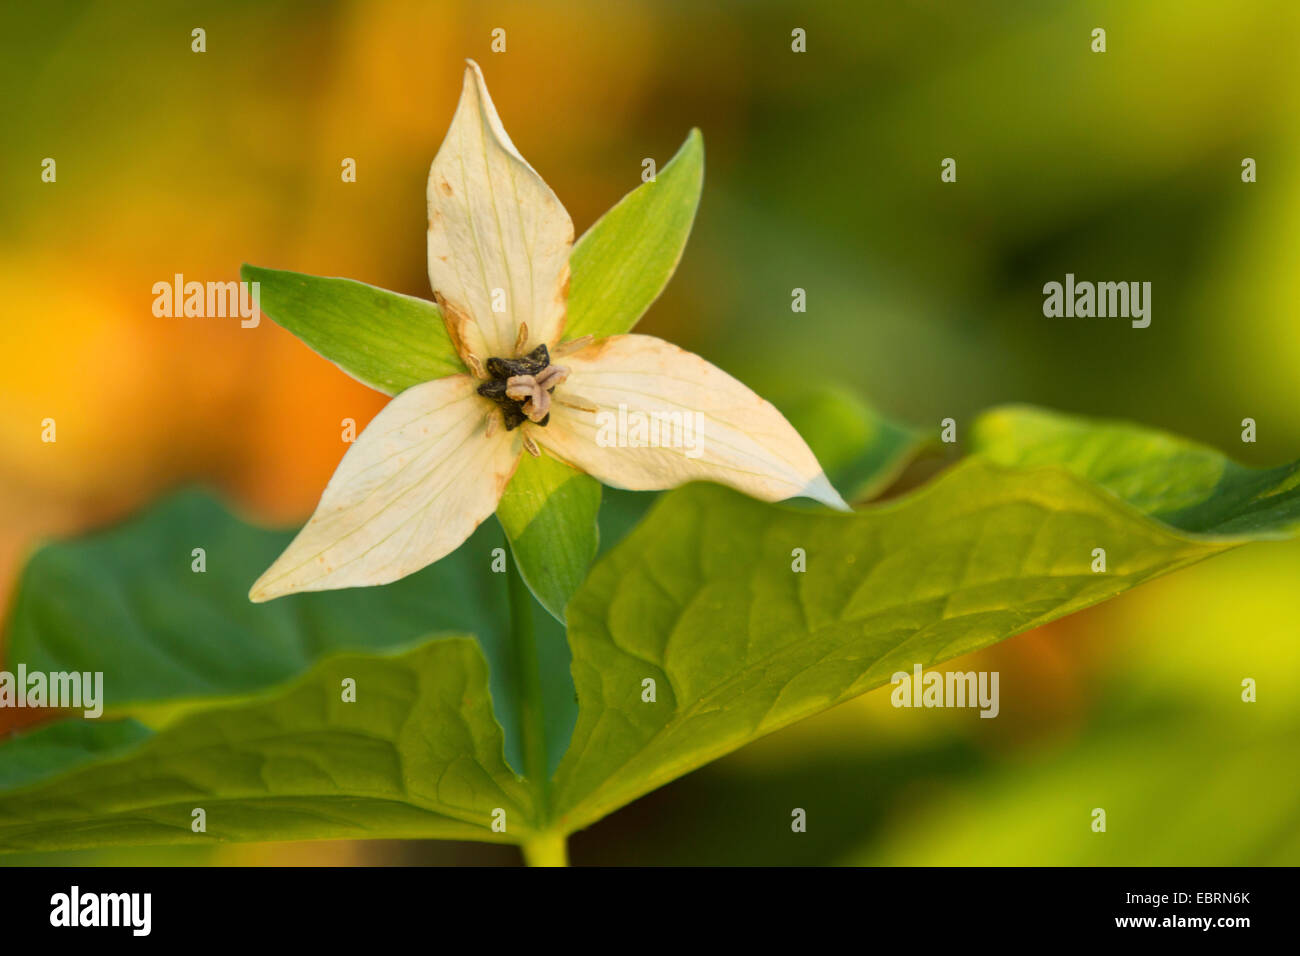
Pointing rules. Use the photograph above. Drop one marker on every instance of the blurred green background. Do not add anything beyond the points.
(822, 174)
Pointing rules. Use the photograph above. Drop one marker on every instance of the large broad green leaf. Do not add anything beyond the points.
(128, 603)
(62, 746)
(384, 339)
(702, 599)
(162, 630)
(417, 754)
(1155, 732)
(622, 263)
(549, 514)
(1180, 482)
(745, 616)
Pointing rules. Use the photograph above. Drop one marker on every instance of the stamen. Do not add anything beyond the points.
(521, 338)
(493, 420)
(530, 446)
(538, 408)
(565, 348)
(580, 405)
(522, 387)
(552, 376)
(475, 366)
(529, 390)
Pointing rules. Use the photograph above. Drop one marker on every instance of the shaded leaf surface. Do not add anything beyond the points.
(549, 515)
(418, 754)
(56, 748)
(167, 637)
(161, 631)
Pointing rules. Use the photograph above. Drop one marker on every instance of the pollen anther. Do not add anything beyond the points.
(522, 387)
(565, 348)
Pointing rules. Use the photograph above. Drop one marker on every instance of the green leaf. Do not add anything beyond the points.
(417, 755)
(702, 599)
(383, 339)
(59, 747)
(549, 514)
(620, 512)
(1177, 481)
(168, 638)
(622, 263)
(861, 451)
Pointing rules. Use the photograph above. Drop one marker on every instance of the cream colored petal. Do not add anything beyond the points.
(665, 417)
(422, 476)
(499, 239)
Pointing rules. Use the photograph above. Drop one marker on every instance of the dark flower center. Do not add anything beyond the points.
(501, 370)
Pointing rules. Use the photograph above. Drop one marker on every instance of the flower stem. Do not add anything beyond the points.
(546, 849)
(532, 720)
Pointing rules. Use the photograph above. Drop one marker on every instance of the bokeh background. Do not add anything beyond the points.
(822, 173)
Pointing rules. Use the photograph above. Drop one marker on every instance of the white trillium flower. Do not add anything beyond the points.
(433, 464)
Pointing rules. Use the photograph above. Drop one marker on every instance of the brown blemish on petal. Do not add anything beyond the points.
(593, 350)
(455, 321)
(445, 187)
